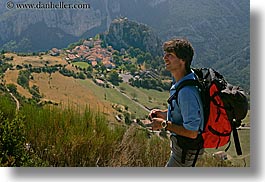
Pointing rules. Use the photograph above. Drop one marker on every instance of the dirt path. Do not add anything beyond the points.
(17, 102)
(139, 104)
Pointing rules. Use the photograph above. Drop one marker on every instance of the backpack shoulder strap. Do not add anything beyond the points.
(189, 82)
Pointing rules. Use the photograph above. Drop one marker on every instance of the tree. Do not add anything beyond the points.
(89, 68)
(82, 75)
(148, 57)
(114, 78)
(127, 118)
(132, 52)
(133, 70)
(23, 79)
(140, 59)
(12, 88)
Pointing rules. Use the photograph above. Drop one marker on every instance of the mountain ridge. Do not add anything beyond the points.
(217, 30)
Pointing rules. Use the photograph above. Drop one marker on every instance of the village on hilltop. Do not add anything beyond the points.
(89, 51)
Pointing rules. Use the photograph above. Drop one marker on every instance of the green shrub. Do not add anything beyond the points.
(12, 141)
(13, 144)
(7, 107)
(13, 151)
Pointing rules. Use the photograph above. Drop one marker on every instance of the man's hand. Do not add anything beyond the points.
(157, 113)
(156, 123)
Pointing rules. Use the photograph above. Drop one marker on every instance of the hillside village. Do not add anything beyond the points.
(91, 52)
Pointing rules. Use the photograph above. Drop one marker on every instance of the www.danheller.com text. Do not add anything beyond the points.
(48, 5)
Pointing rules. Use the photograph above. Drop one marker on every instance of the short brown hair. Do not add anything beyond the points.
(182, 48)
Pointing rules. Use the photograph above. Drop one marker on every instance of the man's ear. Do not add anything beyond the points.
(183, 61)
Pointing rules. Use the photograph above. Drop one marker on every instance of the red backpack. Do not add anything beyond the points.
(224, 107)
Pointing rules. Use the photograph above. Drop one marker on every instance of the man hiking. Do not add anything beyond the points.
(184, 116)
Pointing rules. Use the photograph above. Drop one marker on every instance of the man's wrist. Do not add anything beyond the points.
(164, 124)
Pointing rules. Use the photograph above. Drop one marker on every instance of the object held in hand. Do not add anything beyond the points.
(153, 115)
(147, 123)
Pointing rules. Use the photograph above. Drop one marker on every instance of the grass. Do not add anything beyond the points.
(82, 65)
(113, 96)
(36, 61)
(66, 137)
(69, 137)
(147, 97)
(61, 89)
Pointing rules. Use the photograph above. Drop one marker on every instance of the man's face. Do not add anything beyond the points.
(172, 62)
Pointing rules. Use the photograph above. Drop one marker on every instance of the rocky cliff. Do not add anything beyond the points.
(48, 28)
(124, 33)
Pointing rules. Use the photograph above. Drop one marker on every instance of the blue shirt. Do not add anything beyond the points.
(189, 110)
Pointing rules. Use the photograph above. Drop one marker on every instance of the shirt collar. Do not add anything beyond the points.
(190, 76)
